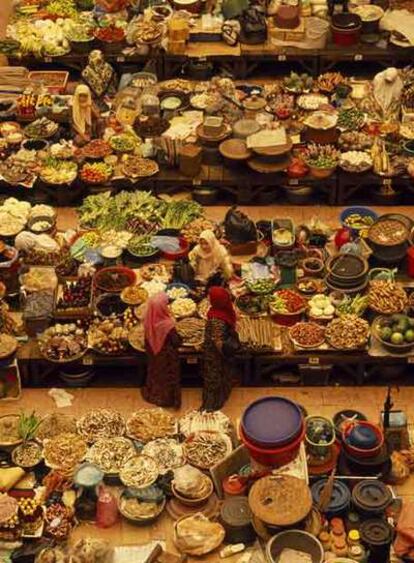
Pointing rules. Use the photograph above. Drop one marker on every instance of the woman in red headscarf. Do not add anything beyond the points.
(163, 387)
(217, 373)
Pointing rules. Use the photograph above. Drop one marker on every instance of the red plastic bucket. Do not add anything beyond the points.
(345, 37)
(276, 457)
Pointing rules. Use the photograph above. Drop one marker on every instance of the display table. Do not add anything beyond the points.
(242, 61)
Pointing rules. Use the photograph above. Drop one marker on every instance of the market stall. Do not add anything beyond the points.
(129, 135)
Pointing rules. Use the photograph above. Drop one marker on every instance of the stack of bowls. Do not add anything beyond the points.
(272, 429)
(364, 451)
(347, 273)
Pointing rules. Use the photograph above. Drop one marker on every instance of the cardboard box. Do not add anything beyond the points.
(296, 34)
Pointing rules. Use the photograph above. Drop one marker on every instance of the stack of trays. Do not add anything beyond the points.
(267, 160)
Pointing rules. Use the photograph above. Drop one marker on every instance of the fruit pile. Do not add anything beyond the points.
(399, 329)
(76, 293)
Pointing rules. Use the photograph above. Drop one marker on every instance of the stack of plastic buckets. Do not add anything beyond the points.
(272, 429)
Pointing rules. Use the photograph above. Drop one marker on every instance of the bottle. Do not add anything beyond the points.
(357, 553)
(340, 547)
(352, 521)
(106, 509)
(337, 524)
(325, 539)
(353, 537)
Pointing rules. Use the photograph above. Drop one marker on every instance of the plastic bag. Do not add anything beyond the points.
(183, 272)
(166, 244)
(238, 227)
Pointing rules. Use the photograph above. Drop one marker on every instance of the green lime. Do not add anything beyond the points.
(397, 338)
(403, 325)
(409, 335)
(386, 333)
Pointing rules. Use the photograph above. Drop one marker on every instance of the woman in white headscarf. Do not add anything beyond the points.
(84, 115)
(210, 258)
(387, 89)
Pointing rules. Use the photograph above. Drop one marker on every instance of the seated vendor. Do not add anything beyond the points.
(210, 260)
(85, 117)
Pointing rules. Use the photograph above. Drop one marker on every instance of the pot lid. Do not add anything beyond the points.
(375, 532)
(340, 497)
(371, 495)
(236, 511)
(280, 500)
(272, 420)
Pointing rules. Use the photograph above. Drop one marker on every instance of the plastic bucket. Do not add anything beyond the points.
(274, 457)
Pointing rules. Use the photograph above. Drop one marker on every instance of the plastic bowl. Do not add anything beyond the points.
(359, 451)
(364, 211)
(347, 416)
(294, 539)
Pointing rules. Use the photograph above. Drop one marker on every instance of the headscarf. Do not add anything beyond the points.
(221, 306)
(82, 113)
(157, 322)
(211, 259)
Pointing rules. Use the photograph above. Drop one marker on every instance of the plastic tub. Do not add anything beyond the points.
(272, 422)
(346, 29)
(276, 457)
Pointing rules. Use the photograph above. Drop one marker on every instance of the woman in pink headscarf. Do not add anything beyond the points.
(161, 342)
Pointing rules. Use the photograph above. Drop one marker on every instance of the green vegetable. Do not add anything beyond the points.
(104, 212)
(180, 213)
(261, 286)
(62, 8)
(123, 143)
(141, 246)
(28, 425)
(353, 305)
(351, 119)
